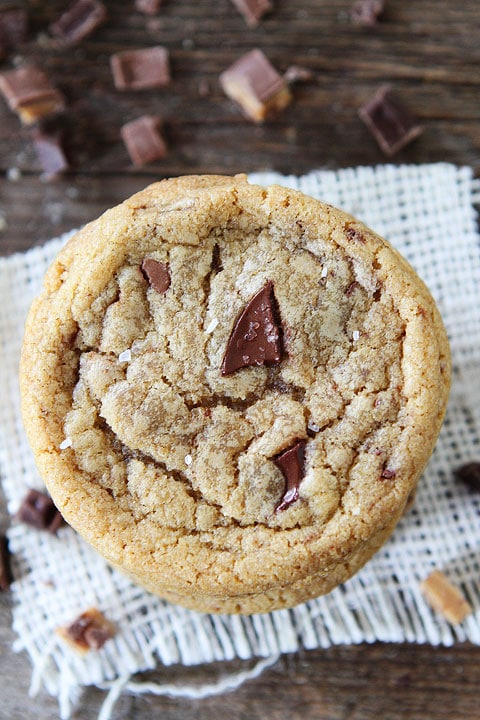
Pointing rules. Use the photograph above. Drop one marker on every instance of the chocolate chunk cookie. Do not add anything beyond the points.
(232, 391)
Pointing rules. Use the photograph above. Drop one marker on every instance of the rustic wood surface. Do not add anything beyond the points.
(430, 52)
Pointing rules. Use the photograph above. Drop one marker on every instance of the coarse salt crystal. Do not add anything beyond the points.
(324, 272)
(211, 326)
(355, 335)
(188, 459)
(125, 356)
(65, 443)
(356, 511)
(313, 426)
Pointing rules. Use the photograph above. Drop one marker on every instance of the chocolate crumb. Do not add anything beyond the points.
(252, 10)
(469, 474)
(141, 69)
(38, 510)
(144, 140)
(367, 12)
(255, 338)
(390, 123)
(355, 235)
(89, 631)
(157, 274)
(254, 84)
(388, 474)
(5, 567)
(292, 464)
(79, 21)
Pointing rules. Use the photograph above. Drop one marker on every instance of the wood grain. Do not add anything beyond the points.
(430, 52)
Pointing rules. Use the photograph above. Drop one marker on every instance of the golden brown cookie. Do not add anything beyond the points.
(232, 391)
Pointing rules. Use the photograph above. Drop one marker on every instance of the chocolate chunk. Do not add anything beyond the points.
(390, 123)
(39, 511)
(13, 28)
(141, 69)
(50, 154)
(148, 7)
(30, 94)
(79, 21)
(256, 86)
(90, 631)
(144, 140)
(5, 568)
(367, 12)
(252, 10)
(292, 464)
(157, 274)
(388, 474)
(469, 474)
(255, 338)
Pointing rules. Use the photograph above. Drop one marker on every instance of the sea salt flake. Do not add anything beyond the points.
(324, 272)
(188, 459)
(211, 326)
(65, 443)
(356, 511)
(313, 426)
(355, 335)
(125, 356)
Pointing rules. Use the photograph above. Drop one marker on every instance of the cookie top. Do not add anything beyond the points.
(230, 388)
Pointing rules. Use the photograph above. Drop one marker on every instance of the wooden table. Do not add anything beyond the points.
(430, 52)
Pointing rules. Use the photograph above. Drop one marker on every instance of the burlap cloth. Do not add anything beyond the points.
(427, 212)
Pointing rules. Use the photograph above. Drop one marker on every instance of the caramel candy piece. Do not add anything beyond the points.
(39, 511)
(255, 85)
(445, 598)
(292, 464)
(252, 10)
(255, 338)
(89, 631)
(79, 21)
(390, 123)
(157, 274)
(141, 69)
(143, 140)
(148, 7)
(30, 94)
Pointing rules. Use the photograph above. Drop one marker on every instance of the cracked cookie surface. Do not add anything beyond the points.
(176, 466)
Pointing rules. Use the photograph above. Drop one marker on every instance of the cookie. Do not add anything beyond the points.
(232, 391)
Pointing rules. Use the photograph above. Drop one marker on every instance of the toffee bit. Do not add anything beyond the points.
(89, 631)
(445, 598)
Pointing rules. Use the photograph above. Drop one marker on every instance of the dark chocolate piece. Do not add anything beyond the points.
(390, 123)
(79, 21)
(5, 568)
(148, 7)
(252, 10)
(157, 274)
(469, 474)
(13, 28)
(388, 474)
(255, 338)
(144, 140)
(141, 69)
(39, 511)
(255, 85)
(90, 631)
(292, 464)
(50, 154)
(367, 12)
(30, 94)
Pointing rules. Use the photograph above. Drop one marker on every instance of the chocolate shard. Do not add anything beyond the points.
(50, 154)
(390, 123)
(148, 7)
(30, 94)
(367, 12)
(254, 84)
(38, 511)
(292, 464)
(141, 69)
(79, 21)
(157, 274)
(144, 140)
(252, 10)
(255, 339)
(89, 631)
(13, 28)
(469, 474)
(5, 567)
